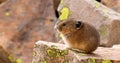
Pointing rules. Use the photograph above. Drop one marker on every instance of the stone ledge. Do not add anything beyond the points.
(47, 52)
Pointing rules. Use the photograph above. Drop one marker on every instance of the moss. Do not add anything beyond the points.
(7, 13)
(97, 4)
(51, 52)
(65, 62)
(106, 17)
(56, 52)
(53, 46)
(42, 48)
(11, 58)
(18, 60)
(82, 54)
(64, 52)
(103, 30)
(45, 61)
(106, 61)
(34, 54)
(91, 60)
(105, 10)
(64, 13)
(35, 46)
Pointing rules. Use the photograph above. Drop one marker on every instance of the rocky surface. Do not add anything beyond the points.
(23, 22)
(106, 21)
(45, 52)
(56, 4)
(113, 4)
(4, 56)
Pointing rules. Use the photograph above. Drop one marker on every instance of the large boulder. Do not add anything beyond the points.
(45, 52)
(23, 22)
(113, 4)
(56, 4)
(4, 56)
(105, 20)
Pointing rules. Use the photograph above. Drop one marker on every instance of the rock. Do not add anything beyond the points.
(4, 56)
(113, 4)
(56, 4)
(106, 21)
(23, 22)
(2, 1)
(45, 52)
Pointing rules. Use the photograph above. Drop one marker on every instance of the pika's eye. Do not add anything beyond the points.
(63, 24)
(78, 24)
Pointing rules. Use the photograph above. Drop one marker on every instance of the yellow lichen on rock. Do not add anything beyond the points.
(64, 13)
(97, 4)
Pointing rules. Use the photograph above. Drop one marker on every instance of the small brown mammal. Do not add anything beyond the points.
(79, 35)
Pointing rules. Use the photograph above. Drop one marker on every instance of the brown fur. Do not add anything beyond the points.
(85, 38)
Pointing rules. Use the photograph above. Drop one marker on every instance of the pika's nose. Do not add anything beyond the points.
(56, 27)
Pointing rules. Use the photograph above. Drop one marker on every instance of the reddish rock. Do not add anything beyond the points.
(113, 4)
(56, 3)
(23, 22)
(45, 52)
(4, 56)
(2, 1)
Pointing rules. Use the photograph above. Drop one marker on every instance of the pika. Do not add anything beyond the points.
(78, 35)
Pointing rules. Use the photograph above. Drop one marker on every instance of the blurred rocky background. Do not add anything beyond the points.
(23, 22)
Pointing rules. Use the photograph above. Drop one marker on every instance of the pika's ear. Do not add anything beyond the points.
(78, 24)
